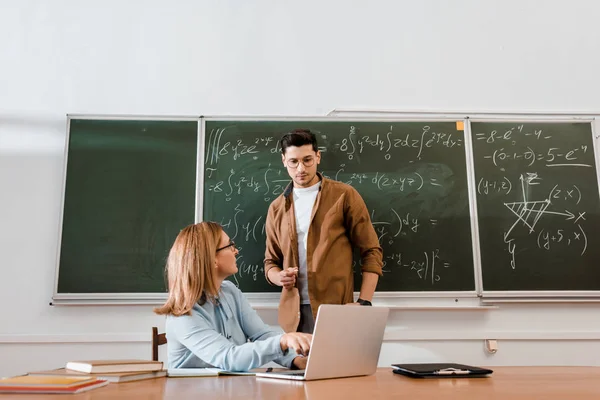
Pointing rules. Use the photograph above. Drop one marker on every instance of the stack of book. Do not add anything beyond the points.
(114, 371)
(50, 384)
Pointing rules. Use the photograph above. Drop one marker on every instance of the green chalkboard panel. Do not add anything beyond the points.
(538, 206)
(412, 176)
(130, 187)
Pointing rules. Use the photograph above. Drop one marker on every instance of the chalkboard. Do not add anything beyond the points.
(130, 187)
(131, 184)
(538, 206)
(412, 176)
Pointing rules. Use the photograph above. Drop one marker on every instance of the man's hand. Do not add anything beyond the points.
(287, 277)
(298, 341)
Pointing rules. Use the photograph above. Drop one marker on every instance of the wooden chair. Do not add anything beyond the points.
(157, 340)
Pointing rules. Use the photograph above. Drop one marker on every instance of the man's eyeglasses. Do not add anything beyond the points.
(307, 162)
(231, 244)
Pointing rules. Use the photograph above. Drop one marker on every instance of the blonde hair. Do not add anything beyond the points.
(190, 268)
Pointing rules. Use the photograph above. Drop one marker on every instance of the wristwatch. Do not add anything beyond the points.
(364, 302)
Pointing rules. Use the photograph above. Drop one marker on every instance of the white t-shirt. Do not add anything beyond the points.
(304, 200)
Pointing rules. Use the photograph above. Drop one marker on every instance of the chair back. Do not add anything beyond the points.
(158, 339)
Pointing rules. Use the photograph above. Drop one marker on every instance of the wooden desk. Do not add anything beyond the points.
(506, 383)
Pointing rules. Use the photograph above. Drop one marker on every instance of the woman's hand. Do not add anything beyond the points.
(298, 341)
(300, 362)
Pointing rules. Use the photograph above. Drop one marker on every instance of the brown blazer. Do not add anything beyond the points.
(339, 222)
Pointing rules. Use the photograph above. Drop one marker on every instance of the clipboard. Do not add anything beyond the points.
(441, 370)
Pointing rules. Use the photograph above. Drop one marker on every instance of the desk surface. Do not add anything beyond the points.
(506, 383)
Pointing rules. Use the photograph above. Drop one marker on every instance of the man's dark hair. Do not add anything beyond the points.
(298, 138)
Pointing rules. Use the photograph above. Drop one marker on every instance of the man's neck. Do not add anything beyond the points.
(312, 183)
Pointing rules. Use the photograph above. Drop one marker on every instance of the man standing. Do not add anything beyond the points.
(312, 229)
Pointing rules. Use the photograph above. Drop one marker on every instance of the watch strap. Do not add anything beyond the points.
(364, 302)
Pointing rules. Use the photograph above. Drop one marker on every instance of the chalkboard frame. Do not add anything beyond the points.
(60, 298)
(268, 300)
(534, 295)
(380, 297)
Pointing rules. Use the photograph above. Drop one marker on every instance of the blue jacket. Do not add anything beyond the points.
(229, 335)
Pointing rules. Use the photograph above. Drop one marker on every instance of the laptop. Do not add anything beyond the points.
(346, 342)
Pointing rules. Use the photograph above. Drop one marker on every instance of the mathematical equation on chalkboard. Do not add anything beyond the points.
(398, 172)
(271, 183)
(426, 268)
(252, 232)
(526, 173)
(353, 144)
(546, 151)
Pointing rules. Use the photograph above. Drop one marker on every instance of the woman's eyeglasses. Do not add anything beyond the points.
(231, 244)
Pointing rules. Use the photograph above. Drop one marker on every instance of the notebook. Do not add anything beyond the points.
(199, 372)
(49, 384)
(346, 342)
(441, 370)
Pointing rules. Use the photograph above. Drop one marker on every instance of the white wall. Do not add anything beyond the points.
(270, 58)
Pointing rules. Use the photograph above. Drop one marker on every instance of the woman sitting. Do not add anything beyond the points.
(209, 321)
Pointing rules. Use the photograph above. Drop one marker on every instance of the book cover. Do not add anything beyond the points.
(113, 366)
(46, 381)
(54, 389)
